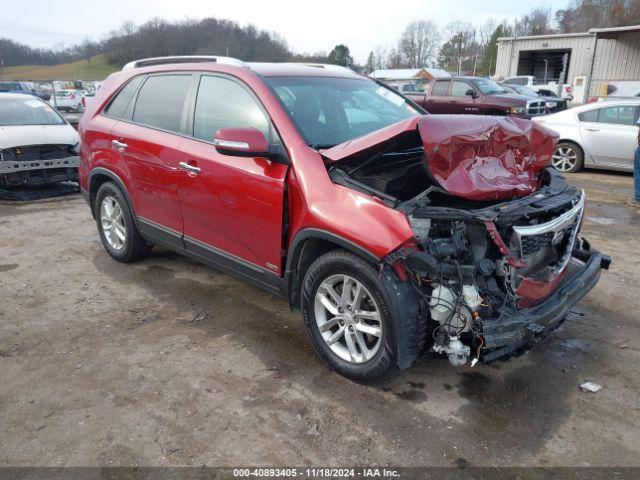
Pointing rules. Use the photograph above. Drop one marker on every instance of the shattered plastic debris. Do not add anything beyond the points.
(590, 387)
(313, 430)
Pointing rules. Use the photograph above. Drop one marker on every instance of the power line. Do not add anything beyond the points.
(42, 32)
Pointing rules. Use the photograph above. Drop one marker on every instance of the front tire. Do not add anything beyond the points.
(350, 317)
(568, 158)
(116, 225)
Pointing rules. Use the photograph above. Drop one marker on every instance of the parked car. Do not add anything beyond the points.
(18, 87)
(538, 85)
(393, 231)
(478, 96)
(553, 105)
(37, 146)
(596, 135)
(406, 87)
(68, 100)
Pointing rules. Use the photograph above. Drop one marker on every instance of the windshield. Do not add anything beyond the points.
(19, 111)
(525, 90)
(489, 87)
(329, 111)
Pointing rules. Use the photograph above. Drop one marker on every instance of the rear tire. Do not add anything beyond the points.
(568, 158)
(118, 232)
(367, 315)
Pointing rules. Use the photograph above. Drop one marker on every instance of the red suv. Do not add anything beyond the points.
(396, 233)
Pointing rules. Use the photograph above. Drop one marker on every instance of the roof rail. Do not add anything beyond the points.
(326, 66)
(147, 62)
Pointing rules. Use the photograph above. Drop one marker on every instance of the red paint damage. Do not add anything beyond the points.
(472, 157)
(531, 292)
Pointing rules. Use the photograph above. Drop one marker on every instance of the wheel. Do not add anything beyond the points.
(568, 158)
(350, 317)
(117, 229)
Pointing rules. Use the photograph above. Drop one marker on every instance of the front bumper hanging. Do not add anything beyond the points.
(518, 330)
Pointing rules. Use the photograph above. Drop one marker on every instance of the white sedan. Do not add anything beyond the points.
(596, 135)
(37, 145)
(70, 100)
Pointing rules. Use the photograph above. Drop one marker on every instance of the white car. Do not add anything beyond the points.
(37, 145)
(542, 88)
(70, 100)
(597, 135)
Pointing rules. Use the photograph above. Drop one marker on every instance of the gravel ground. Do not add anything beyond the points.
(167, 362)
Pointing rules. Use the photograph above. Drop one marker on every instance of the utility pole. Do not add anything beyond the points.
(475, 61)
(459, 53)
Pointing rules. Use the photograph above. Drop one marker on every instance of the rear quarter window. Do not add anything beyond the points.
(120, 102)
(589, 115)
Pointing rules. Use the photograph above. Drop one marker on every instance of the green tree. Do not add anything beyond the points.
(340, 55)
(371, 62)
(491, 50)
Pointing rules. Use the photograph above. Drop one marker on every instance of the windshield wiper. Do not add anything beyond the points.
(321, 146)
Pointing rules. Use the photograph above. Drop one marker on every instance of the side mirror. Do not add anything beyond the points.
(471, 93)
(242, 142)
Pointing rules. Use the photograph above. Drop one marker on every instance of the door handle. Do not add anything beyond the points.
(118, 144)
(189, 168)
(592, 129)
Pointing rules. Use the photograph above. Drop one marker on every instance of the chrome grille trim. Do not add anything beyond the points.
(536, 108)
(570, 218)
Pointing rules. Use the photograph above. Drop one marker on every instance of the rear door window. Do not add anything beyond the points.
(119, 104)
(618, 115)
(614, 115)
(440, 88)
(223, 103)
(161, 101)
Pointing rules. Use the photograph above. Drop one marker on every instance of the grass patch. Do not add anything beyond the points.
(97, 69)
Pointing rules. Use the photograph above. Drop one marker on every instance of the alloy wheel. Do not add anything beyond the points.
(112, 221)
(348, 318)
(564, 158)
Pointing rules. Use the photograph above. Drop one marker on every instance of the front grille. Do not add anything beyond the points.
(537, 108)
(37, 152)
(38, 157)
(553, 239)
(534, 243)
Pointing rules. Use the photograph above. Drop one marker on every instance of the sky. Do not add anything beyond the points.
(307, 26)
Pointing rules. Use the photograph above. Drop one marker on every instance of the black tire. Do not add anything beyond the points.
(135, 247)
(411, 329)
(576, 150)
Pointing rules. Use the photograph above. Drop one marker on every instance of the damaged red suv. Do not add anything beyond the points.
(395, 233)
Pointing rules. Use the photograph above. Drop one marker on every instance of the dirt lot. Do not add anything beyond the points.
(167, 362)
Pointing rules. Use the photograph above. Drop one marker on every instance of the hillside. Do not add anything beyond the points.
(98, 69)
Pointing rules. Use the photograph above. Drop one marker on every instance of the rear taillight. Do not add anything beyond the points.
(569, 89)
(84, 102)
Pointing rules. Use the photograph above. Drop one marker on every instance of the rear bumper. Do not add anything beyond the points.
(516, 332)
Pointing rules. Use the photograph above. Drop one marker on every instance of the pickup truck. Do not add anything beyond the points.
(541, 87)
(479, 96)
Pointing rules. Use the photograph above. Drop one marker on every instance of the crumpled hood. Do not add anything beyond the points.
(23, 135)
(474, 157)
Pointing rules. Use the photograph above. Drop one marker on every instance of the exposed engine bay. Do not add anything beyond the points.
(488, 262)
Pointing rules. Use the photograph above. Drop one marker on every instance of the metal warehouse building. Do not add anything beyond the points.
(601, 62)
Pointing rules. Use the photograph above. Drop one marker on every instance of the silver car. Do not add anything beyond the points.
(596, 135)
